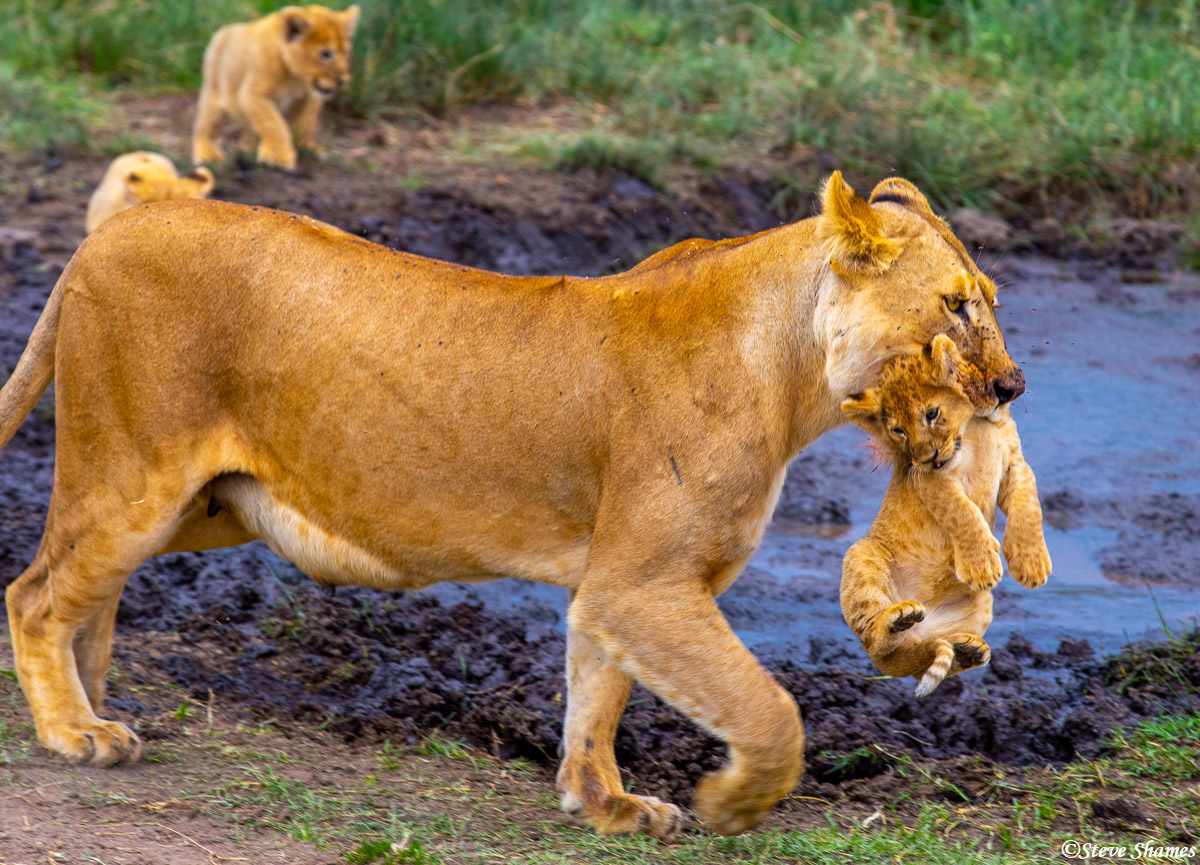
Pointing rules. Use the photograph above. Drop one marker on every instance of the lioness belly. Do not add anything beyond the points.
(330, 558)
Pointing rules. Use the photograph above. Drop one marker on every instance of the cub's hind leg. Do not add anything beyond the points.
(207, 128)
(868, 607)
(952, 655)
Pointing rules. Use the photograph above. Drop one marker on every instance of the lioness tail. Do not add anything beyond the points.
(943, 657)
(35, 369)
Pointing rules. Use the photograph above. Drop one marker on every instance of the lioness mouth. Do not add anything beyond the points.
(322, 90)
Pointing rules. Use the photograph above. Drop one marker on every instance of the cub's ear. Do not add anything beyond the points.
(295, 23)
(350, 19)
(946, 359)
(854, 240)
(864, 410)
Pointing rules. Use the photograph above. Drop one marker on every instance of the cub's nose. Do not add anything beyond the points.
(1009, 386)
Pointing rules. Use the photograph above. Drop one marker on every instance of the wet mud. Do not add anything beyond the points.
(1113, 370)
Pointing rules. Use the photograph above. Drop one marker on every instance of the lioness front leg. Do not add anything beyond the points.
(976, 550)
(1024, 540)
(672, 637)
(589, 778)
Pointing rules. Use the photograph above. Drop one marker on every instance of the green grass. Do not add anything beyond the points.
(1011, 103)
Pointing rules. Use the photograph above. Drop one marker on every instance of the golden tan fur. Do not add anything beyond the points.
(917, 589)
(389, 420)
(267, 73)
(139, 178)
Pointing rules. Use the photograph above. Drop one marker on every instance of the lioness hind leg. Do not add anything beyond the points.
(93, 651)
(589, 778)
(61, 612)
(673, 638)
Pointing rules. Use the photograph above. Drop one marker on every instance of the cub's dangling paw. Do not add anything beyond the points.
(979, 566)
(902, 616)
(970, 651)
(1028, 558)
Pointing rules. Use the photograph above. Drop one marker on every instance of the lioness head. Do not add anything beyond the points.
(918, 408)
(898, 277)
(316, 45)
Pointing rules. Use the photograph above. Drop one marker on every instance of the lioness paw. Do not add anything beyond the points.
(979, 566)
(102, 743)
(902, 616)
(627, 814)
(1028, 559)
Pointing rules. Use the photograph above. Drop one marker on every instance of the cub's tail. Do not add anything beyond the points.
(35, 369)
(943, 657)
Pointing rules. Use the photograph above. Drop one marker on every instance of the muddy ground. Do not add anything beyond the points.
(1111, 348)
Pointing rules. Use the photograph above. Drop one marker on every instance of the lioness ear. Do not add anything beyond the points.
(946, 359)
(350, 19)
(294, 23)
(863, 410)
(897, 190)
(854, 240)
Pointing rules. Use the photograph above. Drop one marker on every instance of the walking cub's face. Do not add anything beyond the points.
(917, 409)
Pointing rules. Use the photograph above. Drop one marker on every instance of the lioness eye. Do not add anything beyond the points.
(898, 431)
(953, 303)
(932, 415)
(326, 55)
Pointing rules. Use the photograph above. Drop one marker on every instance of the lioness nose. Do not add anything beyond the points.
(1009, 386)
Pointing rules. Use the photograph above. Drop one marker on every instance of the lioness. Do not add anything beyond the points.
(283, 65)
(917, 589)
(139, 178)
(391, 421)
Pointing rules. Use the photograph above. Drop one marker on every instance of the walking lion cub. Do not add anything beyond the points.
(917, 589)
(268, 73)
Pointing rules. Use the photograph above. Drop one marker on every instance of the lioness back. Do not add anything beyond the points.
(270, 73)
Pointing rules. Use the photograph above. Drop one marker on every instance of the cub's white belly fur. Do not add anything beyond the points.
(330, 558)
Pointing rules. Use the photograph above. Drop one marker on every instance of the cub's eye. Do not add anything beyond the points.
(898, 431)
(953, 303)
(326, 55)
(932, 415)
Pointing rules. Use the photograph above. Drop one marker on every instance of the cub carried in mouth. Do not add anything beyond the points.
(917, 589)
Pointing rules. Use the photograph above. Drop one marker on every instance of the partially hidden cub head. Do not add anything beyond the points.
(918, 407)
(316, 47)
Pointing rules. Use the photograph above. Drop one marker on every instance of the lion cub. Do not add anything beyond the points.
(917, 589)
(270, 72)
(139, 178)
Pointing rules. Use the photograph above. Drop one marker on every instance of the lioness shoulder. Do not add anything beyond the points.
(271, 72)
(139, 178)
